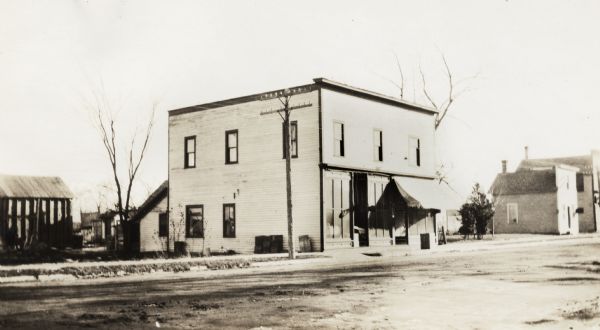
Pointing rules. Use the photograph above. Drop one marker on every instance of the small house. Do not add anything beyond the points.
(150, 222)
(536, 201)
(587, 184)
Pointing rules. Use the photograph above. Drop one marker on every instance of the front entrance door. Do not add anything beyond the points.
(361, 208)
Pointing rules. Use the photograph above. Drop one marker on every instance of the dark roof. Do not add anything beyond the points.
(318, 82)
(524, 182)
(583, 163)
(19, 186)
(161, 192)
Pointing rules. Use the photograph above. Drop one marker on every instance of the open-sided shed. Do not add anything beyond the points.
(34, 209)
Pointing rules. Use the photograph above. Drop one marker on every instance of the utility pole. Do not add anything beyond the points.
(288, 170)
(284, 97)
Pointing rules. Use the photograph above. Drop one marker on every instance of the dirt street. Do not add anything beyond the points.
(552, 285)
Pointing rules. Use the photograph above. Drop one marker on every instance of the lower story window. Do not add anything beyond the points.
(337, 200)
(163, 225)
(194, 221)
(512, 211)
(229, 220)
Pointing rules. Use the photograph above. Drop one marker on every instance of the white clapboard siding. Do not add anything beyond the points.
(257, 183)
(149, 239)
(360, 117)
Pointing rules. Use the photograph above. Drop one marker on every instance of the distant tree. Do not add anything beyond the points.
(476, 213)
(135, 149)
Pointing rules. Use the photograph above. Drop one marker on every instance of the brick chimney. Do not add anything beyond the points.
(504, 166)
(526, 152)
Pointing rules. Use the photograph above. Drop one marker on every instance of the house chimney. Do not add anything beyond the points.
(526, 152)
(504, 166)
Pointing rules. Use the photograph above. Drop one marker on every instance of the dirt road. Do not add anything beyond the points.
(553, 285)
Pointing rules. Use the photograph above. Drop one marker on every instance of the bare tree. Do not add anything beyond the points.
(444, 106)
(105, 123)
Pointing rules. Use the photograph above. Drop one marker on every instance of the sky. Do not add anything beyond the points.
(529, 74)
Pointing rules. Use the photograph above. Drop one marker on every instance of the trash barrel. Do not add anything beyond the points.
(276, 243)
(258, 244)
(304, 243)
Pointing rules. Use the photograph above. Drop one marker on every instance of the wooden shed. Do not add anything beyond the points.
(34, 209)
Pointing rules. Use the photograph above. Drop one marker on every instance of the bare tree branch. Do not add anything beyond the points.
(425, 89)
(401, 77)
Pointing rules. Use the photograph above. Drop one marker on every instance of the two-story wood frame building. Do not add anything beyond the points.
(362, 169)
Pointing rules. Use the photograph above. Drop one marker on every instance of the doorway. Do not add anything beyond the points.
(361, 208)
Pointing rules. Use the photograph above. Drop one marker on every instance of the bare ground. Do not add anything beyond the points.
(551, 285)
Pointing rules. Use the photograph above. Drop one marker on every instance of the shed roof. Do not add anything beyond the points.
(524, 182)
(427, 194)
(20, 186)
(152, 200)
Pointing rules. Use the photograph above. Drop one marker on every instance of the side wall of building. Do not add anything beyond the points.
(256, 184)
(537, 214)
(360, 118)
(585, 201)
(149, 238)
(566, 195)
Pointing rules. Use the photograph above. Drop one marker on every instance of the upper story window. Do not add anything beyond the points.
(512, 213)
(229, 220)
(293, 139)
(414, 151)
(231, 147)
(579, 183)
(190, 152)
(338, 139)
(194, 221)
(377, 145)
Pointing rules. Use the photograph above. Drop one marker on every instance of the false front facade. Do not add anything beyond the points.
(362, 170)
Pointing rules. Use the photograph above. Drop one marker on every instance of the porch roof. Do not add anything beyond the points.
(427, 194)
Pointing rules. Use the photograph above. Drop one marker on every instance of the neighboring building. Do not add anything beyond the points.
(93, 228)
(150, 223)
(35, 209)
(540, 201)
(588, 181)
(362, 162)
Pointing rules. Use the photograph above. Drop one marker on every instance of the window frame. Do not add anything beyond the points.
(342, 141)
(226, 221)
(516, 207)
(186, 152)
(378, 145)
(187, 220)
(162, 231)
(227, 147)
(580, 182)
(292, 138)
(414, 154)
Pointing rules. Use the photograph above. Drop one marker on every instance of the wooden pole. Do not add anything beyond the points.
(288, 178)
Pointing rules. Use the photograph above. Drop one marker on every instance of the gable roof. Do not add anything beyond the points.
(158, 195)
(20, 186)
(317, 83)
(583, 163)
(524, 182)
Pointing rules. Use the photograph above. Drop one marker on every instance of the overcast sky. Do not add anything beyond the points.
(537, 68)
